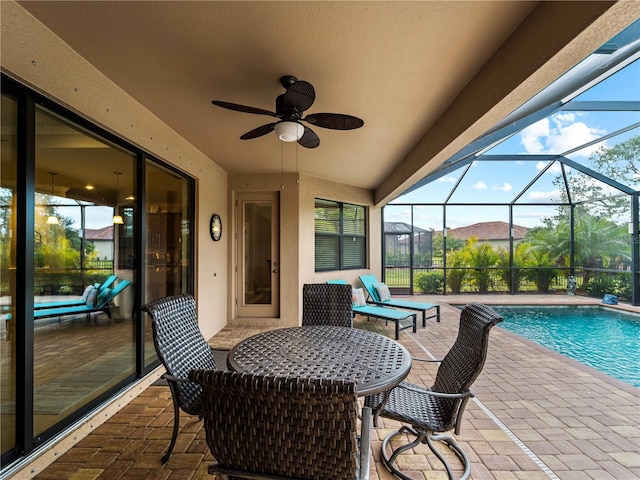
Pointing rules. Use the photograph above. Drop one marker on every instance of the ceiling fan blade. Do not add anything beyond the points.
(258, 132)
(300, 95)
(335, 121)
(242, 108)
(309, 138)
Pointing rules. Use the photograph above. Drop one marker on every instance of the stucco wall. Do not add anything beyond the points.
(312, 188)
(287, 186)
(33, 55)
(297, 239)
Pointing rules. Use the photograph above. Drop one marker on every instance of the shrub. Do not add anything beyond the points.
(429, 282)
(601, 284)
(455, 279)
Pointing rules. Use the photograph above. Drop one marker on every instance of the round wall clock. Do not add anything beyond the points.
(215, 227)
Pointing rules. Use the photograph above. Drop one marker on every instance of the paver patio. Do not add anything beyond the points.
(536, 415)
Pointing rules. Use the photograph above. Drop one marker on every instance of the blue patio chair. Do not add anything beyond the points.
(369, 282)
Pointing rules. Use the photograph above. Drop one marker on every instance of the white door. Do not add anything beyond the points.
(258, 272)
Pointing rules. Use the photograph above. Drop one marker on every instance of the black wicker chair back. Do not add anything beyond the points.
(181, 348)
(463, 363)
(440, 408)
(327, 304)
(281, 427)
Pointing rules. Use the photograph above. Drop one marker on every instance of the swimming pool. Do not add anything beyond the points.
(603, 338)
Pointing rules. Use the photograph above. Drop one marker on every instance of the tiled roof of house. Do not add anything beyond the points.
(105, 233)
(487, 231)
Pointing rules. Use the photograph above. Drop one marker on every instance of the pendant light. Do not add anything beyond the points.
(52, 219)
(117, 219)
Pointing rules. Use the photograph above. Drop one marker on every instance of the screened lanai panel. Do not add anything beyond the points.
(616, 87)
(428, 217)
(583, 187)
(458, 216)
(437, 191)
(532, 216)
(587, 117)
(548, 187)
(616, 158)
(603, 252)
(398, 214)
(493, 181)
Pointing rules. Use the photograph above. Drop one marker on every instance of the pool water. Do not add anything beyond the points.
(602, 338)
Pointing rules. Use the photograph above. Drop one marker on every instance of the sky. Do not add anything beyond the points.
(501, 182)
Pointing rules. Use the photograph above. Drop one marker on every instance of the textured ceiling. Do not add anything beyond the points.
(400, 66)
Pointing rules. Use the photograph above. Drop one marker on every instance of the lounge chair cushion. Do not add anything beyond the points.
(87, 291)
(92, 297)
(383, 292)
(357, 297)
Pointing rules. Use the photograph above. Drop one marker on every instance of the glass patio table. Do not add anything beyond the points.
(374, 362)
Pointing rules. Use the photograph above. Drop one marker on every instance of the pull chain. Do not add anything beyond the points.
(281, 164)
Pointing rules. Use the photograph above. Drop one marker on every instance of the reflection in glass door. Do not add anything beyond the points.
(258, 255)
(168, 244)
(80, 187)
(8, 284)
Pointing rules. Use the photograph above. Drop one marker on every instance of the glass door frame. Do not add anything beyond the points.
(28, 101)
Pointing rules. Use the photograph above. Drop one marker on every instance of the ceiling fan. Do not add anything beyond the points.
(290, 106)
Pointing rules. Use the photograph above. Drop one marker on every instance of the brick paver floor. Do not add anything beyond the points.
(536, 415)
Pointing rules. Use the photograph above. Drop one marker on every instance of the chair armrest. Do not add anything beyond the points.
(425, 391)
(171, 378)
(365, 444)
(426, 360)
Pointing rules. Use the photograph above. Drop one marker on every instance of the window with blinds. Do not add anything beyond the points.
(340, 232)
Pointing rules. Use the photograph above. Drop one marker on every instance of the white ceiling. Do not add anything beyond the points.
(426, 77)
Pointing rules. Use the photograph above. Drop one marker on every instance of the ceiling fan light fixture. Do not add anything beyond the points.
(289, 131)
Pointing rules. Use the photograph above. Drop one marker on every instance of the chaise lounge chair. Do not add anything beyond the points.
(369, 282)
(77, 301)
(102, 303)
(383, 313)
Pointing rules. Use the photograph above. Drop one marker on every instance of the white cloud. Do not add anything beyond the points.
(531, 137)
(559, 133)
(555, 168)
(505, 187)
(480, 185)
(447, 179)
(553, 195)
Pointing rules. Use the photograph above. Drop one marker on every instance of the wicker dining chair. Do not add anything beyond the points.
(265, 427)
(439, 409)
(181, 348)
(327, 304)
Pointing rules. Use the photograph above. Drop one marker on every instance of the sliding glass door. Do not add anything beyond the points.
(76, 266)
(82, 183)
